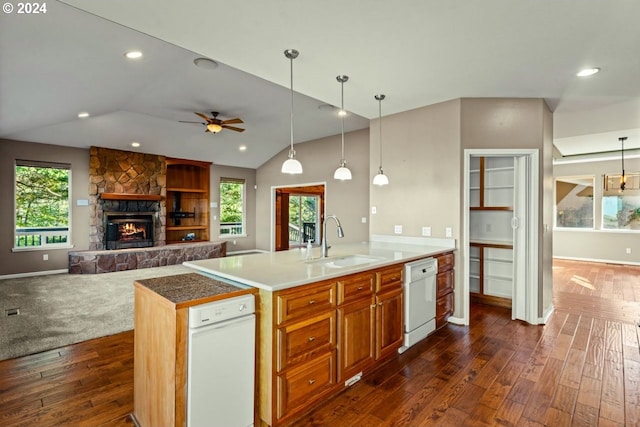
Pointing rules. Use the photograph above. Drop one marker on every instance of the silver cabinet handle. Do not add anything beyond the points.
(311, 302)
(311, 382)
(311, 339)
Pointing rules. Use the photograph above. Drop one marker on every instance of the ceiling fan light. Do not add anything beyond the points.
(292, 166)
(342, 173)
(380, 179)
(214, 128)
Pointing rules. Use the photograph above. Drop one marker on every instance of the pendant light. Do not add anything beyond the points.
(380, 179)
(622, 178)
(291, 165)
(342, 173)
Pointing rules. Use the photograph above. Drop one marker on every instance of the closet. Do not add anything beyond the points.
(491, 229)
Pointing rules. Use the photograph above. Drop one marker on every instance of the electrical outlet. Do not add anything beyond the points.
(448, 232)
(628, 251)
(397, 229)
(426, 231)
(373, 210)
(45, 257)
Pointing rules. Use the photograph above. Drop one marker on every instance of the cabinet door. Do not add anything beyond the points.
(444, 283)
(305, 301)
(389, 278)
(444, 309)
(356, 339)
(389, 322)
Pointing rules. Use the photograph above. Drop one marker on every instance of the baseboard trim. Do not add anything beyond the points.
(605, 261)
(457, 321)
(33, 273)
(545, 318)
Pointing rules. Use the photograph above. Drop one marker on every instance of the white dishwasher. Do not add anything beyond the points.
(419, 300)
(221, 363)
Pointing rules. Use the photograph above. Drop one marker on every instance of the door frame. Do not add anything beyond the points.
(298, 189)
(526, 259)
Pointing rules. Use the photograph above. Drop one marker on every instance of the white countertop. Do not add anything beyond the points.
(275, 271)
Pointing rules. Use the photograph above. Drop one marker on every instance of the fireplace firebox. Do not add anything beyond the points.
(129, 229)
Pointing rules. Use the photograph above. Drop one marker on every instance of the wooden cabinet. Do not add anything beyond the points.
(315, 337)
(389, 311)
(389, 323)
(305, 347)
(444, 288)
(187, 201)
(490, 230)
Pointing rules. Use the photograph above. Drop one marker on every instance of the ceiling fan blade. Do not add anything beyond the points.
(233, 128)
(184, 121)
(203, 116)
(232, 121)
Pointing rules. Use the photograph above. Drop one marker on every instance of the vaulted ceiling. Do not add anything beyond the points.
(418, 52)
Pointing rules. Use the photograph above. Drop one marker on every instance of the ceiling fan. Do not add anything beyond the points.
(215, 125)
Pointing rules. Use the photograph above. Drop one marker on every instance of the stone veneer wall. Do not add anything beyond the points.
(93, 262)
(116, 171)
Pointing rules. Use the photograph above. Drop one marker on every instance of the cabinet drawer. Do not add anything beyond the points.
(305, 384)
(356, 286)
(445, 262)
(305, 340)
(444, 283)
(389, 278)
(306, 301)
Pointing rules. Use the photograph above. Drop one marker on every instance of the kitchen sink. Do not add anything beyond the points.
(345, 261)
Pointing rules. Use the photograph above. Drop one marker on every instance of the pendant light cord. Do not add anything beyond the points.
(380, 127)
(342, 114)
(291, 69)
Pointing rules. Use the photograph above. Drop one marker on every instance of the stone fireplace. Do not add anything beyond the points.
(125, 230)
(126, 183)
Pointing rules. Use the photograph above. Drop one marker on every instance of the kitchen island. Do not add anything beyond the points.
(323, 323)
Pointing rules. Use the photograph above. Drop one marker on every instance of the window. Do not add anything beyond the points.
(574, 202)
(304, 214)
(42, 204)
(231, 207)
(621, 209)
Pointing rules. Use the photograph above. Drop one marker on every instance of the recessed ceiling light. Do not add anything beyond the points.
(133, 54)
(83, 115)
(588, 72)
(206, 63)
(135, 144)
(242, 148)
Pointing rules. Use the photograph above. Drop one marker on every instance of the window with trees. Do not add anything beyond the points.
(42, 213)
(574, 202)
(232, 209)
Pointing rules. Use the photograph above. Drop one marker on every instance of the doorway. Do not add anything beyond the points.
(298, 215)
(501, 229)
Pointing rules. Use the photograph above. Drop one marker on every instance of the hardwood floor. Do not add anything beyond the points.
(581, 369)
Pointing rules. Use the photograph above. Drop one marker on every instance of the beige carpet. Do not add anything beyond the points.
(62, 309)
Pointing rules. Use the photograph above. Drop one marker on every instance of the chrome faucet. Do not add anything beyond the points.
(325, 247)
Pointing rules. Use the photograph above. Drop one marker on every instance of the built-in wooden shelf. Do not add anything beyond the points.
(187, 227)
(128, 196)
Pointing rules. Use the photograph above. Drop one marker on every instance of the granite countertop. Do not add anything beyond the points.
(192, 288)
(273, 271)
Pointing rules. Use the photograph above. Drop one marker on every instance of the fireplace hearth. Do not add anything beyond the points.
(129, 229)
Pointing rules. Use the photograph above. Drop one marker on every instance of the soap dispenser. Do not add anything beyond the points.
(309, 249)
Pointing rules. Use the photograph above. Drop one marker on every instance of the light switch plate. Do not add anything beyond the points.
(397, 229)
(373, 210)
(426, 231)
(448, 232)
(364, 219)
